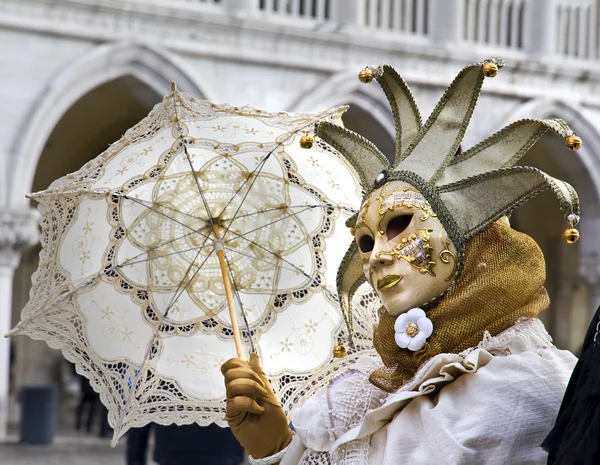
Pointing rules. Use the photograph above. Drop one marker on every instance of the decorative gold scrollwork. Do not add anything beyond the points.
(446, 255)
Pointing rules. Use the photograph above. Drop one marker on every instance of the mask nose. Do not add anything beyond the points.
(381, 256)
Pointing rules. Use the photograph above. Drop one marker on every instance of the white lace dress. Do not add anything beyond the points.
(492, 404)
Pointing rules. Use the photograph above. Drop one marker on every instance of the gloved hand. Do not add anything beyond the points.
(254, 414)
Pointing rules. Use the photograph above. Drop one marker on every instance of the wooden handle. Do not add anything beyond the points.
(229, 294)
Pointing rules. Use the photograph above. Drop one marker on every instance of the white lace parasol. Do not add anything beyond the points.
(140, 245)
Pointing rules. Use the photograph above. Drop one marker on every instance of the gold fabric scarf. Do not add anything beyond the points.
(502, 281)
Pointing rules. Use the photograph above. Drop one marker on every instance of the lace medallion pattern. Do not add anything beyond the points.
(129, 286)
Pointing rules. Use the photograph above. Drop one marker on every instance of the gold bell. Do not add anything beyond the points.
(573, 142)
(490, 70)
(339, 351)
(571, 236)
(306, 142)
(365, 76)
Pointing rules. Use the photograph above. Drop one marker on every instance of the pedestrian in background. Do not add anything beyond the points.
(184, 445)
(87, 406)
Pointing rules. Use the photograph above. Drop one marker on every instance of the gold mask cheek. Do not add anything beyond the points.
(417, 244)
(427, 247)
(439, 263)
(424, 272)
(417, 249)
(414, 245)
(443, 251)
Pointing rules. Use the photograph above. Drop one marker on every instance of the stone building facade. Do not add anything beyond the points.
(75, 74)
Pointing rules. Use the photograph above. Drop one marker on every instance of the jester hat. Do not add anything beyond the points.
(468, 191)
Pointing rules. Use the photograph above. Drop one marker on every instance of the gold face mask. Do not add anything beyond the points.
(407, 256)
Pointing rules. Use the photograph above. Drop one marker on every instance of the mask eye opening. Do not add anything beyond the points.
(366, 243)
(397, 225)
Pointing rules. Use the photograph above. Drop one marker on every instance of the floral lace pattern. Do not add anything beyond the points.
(350, 397)
(127, 286)
(310, 457)
(525, 335)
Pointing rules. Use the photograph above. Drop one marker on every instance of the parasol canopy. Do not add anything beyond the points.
(201, 215)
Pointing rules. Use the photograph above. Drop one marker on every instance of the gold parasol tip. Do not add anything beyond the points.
(174, 87)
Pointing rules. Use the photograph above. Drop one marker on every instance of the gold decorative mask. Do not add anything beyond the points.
(407, 256)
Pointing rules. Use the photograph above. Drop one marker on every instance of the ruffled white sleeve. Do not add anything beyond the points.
(310, 424)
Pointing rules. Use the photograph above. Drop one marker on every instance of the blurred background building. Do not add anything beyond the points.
(76, 74)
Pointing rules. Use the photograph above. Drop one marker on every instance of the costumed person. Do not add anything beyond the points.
(466, 373)
(575, 438)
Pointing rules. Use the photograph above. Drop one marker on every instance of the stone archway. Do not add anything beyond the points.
(573, 274)
(86, 108)
(369, 112)
(152, 67)
(96, 120)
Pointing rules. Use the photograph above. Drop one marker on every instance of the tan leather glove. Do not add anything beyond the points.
(254, 414)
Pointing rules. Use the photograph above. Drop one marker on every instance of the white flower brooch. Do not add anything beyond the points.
(412, 329)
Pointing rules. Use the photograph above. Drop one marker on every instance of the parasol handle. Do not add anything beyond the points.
(229, 294)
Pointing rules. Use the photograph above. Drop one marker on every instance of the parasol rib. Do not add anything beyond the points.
(197, 231)
(254, 175)
(151, 249)
(272, 253)
(285, 207)
(130, 263)
(252, 257)
(162, 205)
(257, 170)
(182, 290)
(153, 340)
(202, 196)
(61, 299)
(291, 215)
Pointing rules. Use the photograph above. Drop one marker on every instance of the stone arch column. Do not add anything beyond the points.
(573, 271)
(18, 230)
